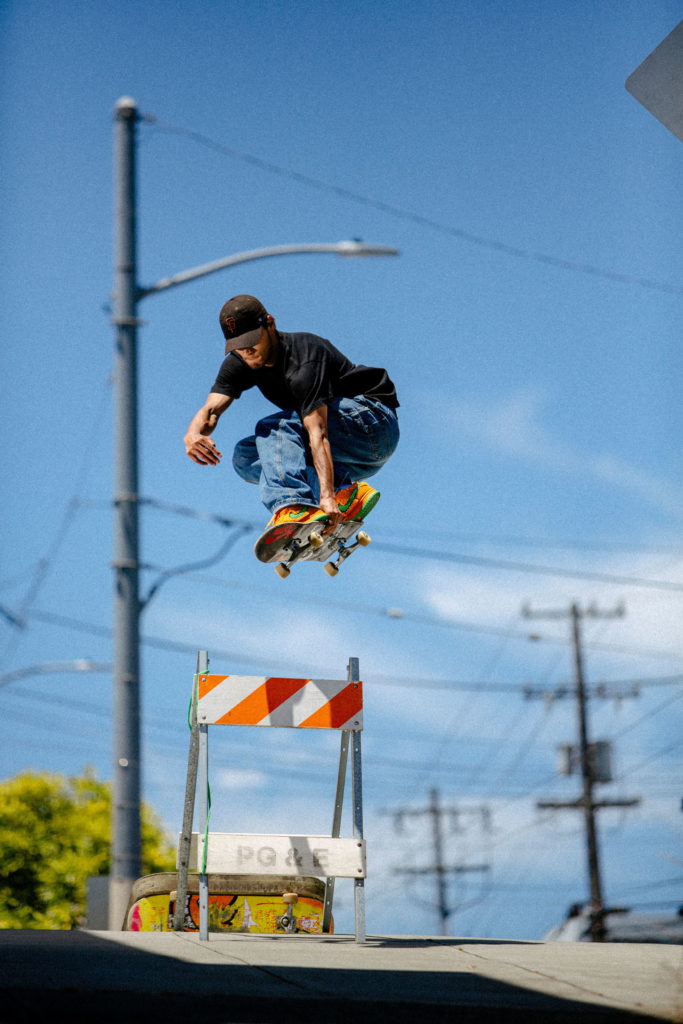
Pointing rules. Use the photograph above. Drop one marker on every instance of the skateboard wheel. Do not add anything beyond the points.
(331, 569)
(282, 570)
(315, 540)
(363, 538)
(290, 897)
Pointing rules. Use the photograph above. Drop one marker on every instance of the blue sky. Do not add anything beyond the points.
(532, 327)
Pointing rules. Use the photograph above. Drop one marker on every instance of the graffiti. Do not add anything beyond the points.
(227, 912)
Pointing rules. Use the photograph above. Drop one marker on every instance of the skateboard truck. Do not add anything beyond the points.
(315, 540)
(287, 922)
(362, 540)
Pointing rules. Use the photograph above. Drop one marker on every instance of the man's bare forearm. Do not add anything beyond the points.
(198, 444)
(323, 465)
(203, 422)
(321, 453)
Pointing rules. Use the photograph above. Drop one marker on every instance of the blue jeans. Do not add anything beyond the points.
(363, 434)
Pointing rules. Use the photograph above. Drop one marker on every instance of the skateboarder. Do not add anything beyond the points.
(335, 423)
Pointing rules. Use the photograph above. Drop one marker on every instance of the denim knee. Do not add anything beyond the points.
(245, 460)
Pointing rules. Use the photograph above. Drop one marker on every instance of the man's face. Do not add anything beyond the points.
(263, 353)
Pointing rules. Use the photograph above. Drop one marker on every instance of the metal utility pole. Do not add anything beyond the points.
(126, 846)
(436, 812)
(125, 854)
(587, 761)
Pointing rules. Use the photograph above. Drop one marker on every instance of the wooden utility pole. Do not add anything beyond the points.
(436, 812)
(586, 803)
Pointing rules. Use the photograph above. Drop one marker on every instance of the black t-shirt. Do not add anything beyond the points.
(308, 372)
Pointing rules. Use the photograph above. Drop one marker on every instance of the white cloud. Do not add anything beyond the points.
(493, 598)
(269, 636)
(241, 778)
(514, 426)
(659, 493)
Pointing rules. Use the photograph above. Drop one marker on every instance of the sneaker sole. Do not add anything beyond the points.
(367, 507)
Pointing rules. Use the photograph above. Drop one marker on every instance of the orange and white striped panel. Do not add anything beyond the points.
(281, 702)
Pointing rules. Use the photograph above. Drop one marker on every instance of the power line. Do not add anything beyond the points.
(427, 683)
(648, 714)
(527, 567)
(648, 760)
(45, 563)
(480, 561)
(467, 538)
(400, 614)
(407, 215)
(387, 680)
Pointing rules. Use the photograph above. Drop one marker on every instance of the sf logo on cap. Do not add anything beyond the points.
(231, 325)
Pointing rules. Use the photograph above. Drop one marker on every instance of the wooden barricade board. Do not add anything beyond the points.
(246, 854)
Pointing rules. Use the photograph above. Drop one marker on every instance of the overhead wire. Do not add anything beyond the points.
(245, 526)
(422, 618)
(483, 762)
(44, 564)
(412, 681)
(191, 512)
(526, 741)
(648, 760)
(528, 567)
(400, 213)
(393, 680)
(457, 722)
(648, 714)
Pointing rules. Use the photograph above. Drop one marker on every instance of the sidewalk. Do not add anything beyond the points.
(169, 977)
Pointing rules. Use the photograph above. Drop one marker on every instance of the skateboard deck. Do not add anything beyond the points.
(304, 542)
(237, 903)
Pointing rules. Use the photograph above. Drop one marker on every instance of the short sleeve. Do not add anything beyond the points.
(233, 377)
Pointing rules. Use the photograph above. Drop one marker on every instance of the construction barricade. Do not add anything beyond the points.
(295, 860)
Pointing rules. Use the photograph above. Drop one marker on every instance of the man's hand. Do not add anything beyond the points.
(330, 506)
(202, 450)
(198, 445)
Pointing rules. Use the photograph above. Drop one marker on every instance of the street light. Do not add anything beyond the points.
(47, 667)
(349, 250)
(125, 854)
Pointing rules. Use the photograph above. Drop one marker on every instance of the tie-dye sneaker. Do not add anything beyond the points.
(297, 514)
(357, 500)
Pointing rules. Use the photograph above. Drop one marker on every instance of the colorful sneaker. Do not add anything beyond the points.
(357, 500)
(297, 514)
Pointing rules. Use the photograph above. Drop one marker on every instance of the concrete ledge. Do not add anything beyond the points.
(122, 976)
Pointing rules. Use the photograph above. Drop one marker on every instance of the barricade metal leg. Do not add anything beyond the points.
(190, 794)
(203, 829)
(336, 822)
(357, 795)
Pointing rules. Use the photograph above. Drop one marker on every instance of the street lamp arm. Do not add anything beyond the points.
(350, 249)
(80, 665)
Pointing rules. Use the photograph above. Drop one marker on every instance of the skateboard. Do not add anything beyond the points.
(244, 903)
(304, 542)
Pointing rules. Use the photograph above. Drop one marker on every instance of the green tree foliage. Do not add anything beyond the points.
(54, 834)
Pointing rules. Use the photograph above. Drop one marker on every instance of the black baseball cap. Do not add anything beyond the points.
(241, 320)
